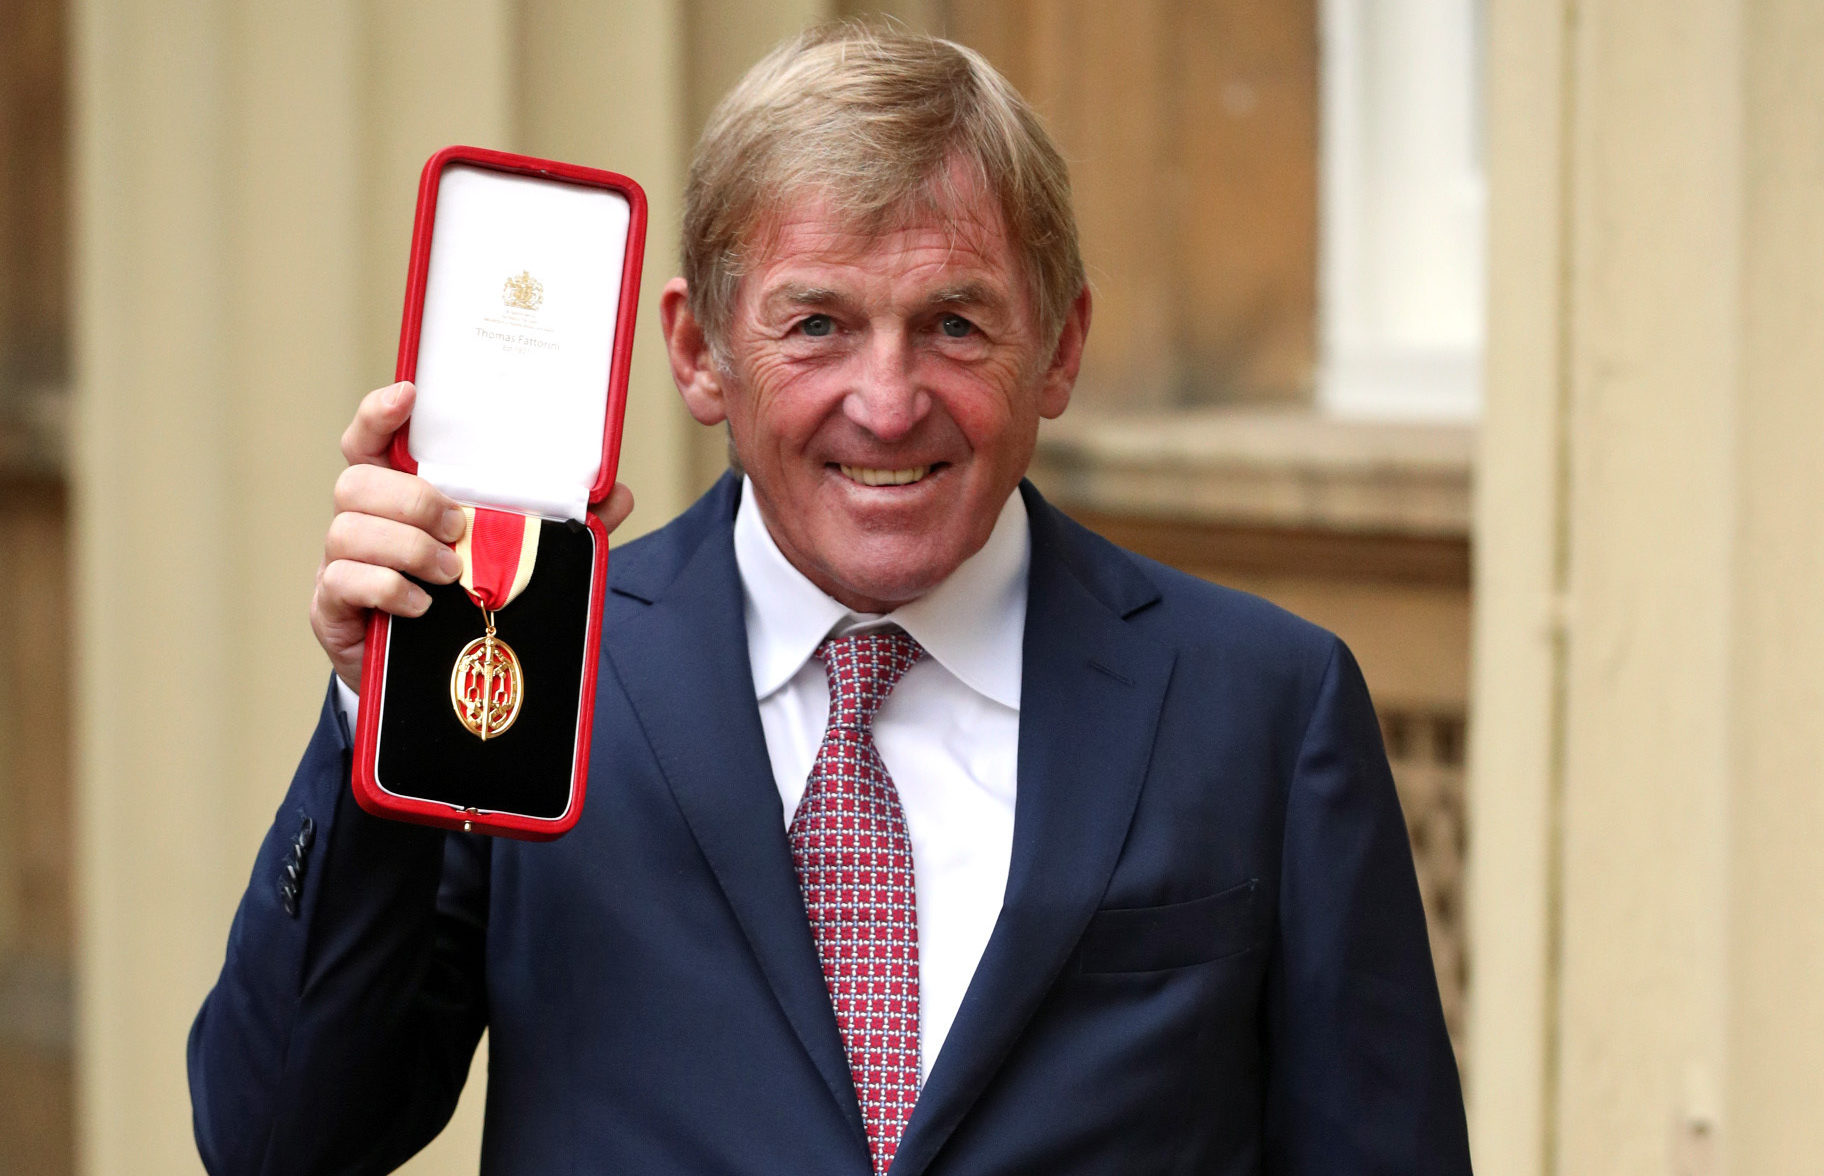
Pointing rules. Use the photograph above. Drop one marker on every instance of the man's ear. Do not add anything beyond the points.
(1067, 358)
(693, 369)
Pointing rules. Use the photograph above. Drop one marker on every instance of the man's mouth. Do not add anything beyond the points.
(870, 476)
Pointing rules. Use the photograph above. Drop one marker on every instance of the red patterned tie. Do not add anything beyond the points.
(855, 869)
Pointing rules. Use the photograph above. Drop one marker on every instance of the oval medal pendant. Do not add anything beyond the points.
(487, 686)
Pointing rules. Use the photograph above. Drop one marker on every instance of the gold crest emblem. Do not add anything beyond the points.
(524, 292)
(487, 686)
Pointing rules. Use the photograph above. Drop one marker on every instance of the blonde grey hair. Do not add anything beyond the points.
(875, 120)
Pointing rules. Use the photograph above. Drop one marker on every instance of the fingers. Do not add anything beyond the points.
(366, 559)
(614, 509)
(367, 539)
(391, 527)
(347, 588)
(380, 415)
(388, 525)
(403, 498)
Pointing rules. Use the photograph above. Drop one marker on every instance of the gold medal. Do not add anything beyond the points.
(487, 684)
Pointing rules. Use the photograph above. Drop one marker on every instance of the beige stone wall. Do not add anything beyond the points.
(1775, 1015)
(1645, 760)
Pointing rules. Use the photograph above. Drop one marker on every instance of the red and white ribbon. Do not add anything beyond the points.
(498, 549)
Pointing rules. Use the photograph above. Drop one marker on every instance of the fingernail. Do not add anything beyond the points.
(394, 395)
(418, 600)
(449, 563)
(453, 525)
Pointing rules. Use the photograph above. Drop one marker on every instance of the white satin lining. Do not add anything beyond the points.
(516, 343)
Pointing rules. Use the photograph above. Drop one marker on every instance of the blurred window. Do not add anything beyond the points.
(1404, 204)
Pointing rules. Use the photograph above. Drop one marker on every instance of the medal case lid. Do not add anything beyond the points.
(519, 314)
(517, 264)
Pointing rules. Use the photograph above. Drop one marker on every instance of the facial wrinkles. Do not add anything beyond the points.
(882, 312)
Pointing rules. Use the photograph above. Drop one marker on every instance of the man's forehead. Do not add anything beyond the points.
(960, 247)
(827, 231)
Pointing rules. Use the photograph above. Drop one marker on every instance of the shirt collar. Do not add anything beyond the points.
(973, 624)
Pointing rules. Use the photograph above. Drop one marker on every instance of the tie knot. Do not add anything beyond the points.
(863, 669)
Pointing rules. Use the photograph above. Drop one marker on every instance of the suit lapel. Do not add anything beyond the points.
(678, 644)
(1090, 697)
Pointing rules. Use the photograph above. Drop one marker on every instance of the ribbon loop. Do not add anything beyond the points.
(498, 549)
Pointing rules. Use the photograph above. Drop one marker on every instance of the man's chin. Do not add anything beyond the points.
(883, 583)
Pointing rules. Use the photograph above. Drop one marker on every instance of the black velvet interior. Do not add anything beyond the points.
(426, 752)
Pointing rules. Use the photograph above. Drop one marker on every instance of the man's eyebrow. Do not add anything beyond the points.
(796, 295)
(968, 294)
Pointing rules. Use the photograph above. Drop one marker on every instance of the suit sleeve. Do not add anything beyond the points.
(1361, 1075)
(340, 1030)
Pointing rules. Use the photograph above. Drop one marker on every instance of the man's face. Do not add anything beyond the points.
(884, 393)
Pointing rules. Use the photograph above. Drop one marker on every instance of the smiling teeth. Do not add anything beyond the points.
(870, 477)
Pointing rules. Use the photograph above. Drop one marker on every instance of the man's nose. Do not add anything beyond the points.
(886, 398)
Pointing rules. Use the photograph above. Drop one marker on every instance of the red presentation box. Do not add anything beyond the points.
(519, 312)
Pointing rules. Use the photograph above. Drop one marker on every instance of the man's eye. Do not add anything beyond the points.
(817, 326)
(956, 326)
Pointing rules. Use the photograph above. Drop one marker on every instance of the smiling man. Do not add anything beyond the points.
(927, 831)
(883, 384)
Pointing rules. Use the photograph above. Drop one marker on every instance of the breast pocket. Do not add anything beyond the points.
(1177, 935)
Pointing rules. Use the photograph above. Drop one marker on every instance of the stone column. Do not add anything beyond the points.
(1645, 764)
(1772, 1106)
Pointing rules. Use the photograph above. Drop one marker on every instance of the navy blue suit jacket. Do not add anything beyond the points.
(1211, 957)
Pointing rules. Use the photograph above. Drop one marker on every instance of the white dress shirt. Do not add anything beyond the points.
(948, 734)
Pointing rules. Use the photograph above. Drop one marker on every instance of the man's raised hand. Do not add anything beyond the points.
(387, 523)
(387, 526)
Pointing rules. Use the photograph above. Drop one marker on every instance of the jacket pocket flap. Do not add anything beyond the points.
(1177, 935)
